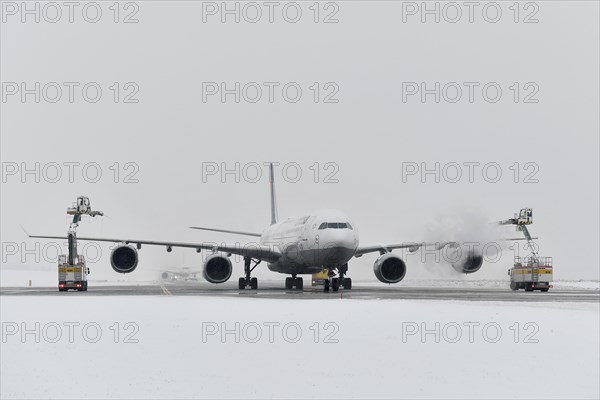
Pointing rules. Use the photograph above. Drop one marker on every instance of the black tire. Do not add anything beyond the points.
(289, 283)
(335, 284)
(242, 283)
(254, 283)
(347, 283)
(326, 285)
(529, 288)
(513, 286)
(544, 290)
(299, 283)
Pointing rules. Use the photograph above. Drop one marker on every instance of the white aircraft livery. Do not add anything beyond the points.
(323, 240)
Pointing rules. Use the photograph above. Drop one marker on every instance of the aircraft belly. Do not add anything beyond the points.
(309, 261)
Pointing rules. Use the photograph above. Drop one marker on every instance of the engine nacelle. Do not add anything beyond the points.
(389, 268)
(124, 259)
(468, 260)
(217, 268)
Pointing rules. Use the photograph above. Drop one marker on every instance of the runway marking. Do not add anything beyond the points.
(165, 291)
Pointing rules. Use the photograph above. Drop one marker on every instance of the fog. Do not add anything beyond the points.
(156, 157)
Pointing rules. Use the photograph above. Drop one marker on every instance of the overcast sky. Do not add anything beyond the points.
(360, 116)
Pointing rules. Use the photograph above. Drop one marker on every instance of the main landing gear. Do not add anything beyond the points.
(246, 281)
(294, 282)
(335, 283)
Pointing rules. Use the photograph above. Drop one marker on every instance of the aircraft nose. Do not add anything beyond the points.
(349, 240)
(337, 246)
(345, 238)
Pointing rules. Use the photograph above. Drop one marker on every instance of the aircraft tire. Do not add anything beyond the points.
(335, 284)
(347, 283)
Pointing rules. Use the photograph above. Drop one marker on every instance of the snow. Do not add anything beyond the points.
(370, 355)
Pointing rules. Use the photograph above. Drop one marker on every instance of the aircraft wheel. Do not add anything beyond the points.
(326, 285)
(347, 283)
(289, 283)
(335, 284)
(254, 283)
(299, 283)
(242, 283)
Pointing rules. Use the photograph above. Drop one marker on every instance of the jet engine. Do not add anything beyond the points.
(124, 259)
(217, 268)
(389, 268)
(464, 260)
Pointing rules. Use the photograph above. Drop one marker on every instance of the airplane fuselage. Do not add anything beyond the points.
(307, 244)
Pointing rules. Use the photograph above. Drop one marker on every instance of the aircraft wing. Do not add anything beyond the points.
(385, 248)
(411, 246)
(226, 231)
(253, 250)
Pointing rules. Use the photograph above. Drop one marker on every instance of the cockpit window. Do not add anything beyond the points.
(335, 225)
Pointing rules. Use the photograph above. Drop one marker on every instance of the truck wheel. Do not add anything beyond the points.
(513, 286)
(545, 290)
(529, 288)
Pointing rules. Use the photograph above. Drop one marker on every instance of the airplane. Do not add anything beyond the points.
(325, 239)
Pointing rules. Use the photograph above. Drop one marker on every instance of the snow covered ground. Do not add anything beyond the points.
(203, 347)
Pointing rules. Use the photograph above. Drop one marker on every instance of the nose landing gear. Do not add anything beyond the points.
(340, 281)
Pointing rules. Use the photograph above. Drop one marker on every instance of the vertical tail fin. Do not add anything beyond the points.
(273, 198)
